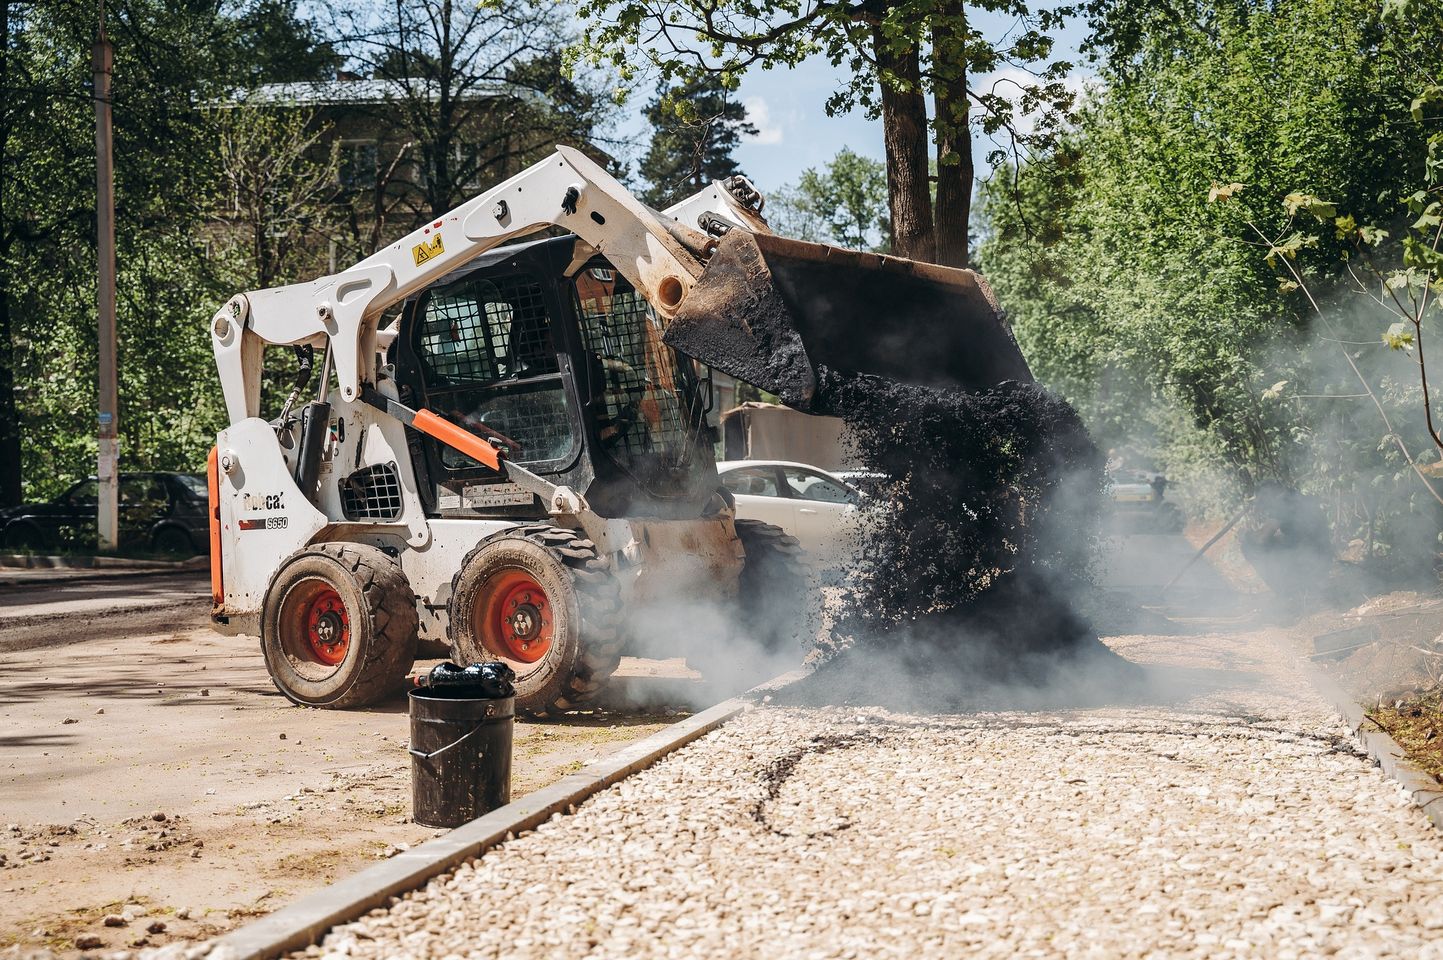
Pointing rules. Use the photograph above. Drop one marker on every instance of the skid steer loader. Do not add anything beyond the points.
(506, 451)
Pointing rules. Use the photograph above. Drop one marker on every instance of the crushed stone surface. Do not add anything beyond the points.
(1224, 814)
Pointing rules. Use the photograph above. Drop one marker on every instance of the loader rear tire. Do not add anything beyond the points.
(338, 628)
(542, 599)
(774, 624)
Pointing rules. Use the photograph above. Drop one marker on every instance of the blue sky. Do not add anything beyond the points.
(788, 107)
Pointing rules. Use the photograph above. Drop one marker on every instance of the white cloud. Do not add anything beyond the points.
(760, 116)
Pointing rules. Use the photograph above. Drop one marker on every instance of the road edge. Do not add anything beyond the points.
(304, 922)
(38, 561)
(1425, 791)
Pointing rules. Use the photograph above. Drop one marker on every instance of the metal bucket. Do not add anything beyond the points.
(775, 312)
(460, 755)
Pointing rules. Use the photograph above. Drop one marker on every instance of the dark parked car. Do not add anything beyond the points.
(163, 512)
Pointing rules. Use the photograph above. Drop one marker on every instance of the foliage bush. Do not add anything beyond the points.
(1142, 302)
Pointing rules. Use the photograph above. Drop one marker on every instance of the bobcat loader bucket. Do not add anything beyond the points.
(776, 312)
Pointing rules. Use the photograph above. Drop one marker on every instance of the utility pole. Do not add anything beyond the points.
(107, 520)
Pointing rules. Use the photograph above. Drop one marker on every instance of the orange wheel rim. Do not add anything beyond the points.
(517, 619)
(328, 629)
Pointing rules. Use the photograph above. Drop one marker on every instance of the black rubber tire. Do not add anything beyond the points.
(380, 608)
(585, 601)
(774, 590)
(775, 605)
(172, 541)
(24, 536)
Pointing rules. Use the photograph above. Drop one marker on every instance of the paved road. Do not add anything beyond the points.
(1220, 811)
(41, 612)
(1146, 562)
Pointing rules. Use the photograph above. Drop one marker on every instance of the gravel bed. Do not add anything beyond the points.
(1227, 814)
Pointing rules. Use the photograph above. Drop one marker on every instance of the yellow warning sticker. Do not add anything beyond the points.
(427, 250)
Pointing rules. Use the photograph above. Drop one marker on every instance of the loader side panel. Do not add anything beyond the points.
(430, 568)
(263, 519)
(367, 476)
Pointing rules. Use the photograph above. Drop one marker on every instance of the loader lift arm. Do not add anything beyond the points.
(660, 257)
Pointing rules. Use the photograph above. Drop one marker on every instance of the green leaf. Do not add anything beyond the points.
(1394, 10)
(1433, 93)
(1223, 191)
(1346, 226)
(1398, 337)
(1308, 203)
(1290, 246)
(1416, 253)
(1430, 218)
(1410, 279)
(1371, 235)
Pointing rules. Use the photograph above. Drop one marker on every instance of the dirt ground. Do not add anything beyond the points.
(154, 775)
(160, 776)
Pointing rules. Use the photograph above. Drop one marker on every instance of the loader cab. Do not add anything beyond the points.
(568, 373)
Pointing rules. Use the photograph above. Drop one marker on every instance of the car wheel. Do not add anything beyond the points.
(24, 537)
(173, 542)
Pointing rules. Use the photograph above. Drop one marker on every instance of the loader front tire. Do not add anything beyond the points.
(774, 590)
(542, 599)
(338, 628)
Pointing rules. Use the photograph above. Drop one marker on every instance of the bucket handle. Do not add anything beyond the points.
(453, 744)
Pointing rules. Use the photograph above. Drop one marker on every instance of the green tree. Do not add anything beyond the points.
(276, 190)
(695, 129)
(171, 59)
(1136, 296)
(476, 90)
(1111, 260)
(1397, 272)
(894, 56)
(844, 203)
(280, 45)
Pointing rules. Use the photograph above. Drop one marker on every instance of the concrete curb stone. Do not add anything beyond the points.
(1426, 791)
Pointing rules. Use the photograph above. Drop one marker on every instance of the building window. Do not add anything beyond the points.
(358, 166)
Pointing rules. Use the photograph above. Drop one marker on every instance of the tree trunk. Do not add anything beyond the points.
(954, 141)
(904, 131)
(10, 475)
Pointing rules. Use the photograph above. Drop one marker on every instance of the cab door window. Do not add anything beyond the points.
(752, 482)
(489, 363)
(810, 485)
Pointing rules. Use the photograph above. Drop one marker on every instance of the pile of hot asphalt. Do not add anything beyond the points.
(974, 547)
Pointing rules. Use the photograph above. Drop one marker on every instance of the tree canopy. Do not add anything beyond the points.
(218, 192)
(1145, 304)
(695, 129)
(843, 203)
(894, 56)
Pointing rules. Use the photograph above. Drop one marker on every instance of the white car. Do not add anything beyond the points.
(812, 505)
